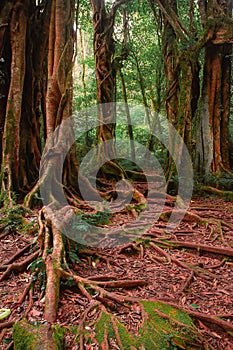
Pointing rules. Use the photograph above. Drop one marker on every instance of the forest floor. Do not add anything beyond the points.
(197, 278)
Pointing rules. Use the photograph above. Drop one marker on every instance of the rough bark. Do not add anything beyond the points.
(60, 54)
(182, 89)
(11, 135)
(104, 48)
(212, 154)
(5, 64)
(106, 68)
(33, 112)
(23, 47)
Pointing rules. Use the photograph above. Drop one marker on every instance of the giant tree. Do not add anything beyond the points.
(22, 91)
(181, 67)
(213, 135)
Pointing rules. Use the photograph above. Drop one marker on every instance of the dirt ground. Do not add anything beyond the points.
(195, 278)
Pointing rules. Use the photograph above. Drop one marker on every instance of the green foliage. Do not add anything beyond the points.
(223, 181)
(38, 266)
(96, 219)
(12, 219)
(73, 256)
(69, 282)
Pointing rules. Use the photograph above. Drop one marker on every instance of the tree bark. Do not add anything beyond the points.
(212, 154)
(11, 135)
(23, 45)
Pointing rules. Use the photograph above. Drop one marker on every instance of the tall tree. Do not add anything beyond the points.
(22, 91)
(105, 66)
(182, 80)
(213, 136)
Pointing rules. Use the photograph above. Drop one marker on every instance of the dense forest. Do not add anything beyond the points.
(116, 154)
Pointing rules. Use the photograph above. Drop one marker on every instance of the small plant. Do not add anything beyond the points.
(12, 220)
(39, 268)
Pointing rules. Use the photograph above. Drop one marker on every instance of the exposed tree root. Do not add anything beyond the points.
(18, 254)
(4, 234)
(219, 193)
(27, 289)
(30, 302)
(82, 325)
(52, 243)
(98, 289)
(7, 324)
(188, 216)
(170, 259)
(20, 267)
(200, 247)
(227, 326)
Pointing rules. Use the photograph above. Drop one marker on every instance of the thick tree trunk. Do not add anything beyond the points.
(170, 54)
(212, 154)
(23, 45)
(182, 77)
(5, 65)
(59, 91)
(11, 135)
(33, 96)
(213, 138)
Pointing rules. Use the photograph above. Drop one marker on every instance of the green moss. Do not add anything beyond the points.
(58, 336)
(24, 336)
(29, 337)
(164, 328)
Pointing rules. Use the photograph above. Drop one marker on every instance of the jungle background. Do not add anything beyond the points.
(166, 289)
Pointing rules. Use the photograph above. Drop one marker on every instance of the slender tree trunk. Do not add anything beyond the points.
(106, 68)
(104, 48)
(127, 111)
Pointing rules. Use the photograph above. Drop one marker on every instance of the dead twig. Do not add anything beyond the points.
(187, 282)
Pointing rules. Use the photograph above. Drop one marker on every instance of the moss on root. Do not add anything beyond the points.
(29, 337)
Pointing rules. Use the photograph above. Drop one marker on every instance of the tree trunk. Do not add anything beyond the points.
(127, 111)
(23, 48)
(104, 48)
(212, 154)
(5, 65)
(182, 76)
(11, 134)
(33, 113)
